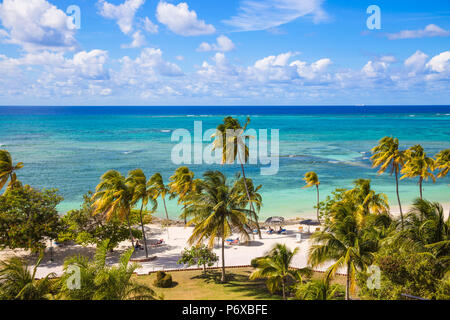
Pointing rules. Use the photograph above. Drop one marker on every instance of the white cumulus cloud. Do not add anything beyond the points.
(182, 21)
(36, 25)
(123, 13)
(223, 44)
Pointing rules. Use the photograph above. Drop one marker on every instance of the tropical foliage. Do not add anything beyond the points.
(98, 281)
(8, 170)
(200, 255)
(275, 268)
(85, 228)
(28, 218)
(18, 281)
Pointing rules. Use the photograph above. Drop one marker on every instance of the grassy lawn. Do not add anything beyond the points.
(193, 285)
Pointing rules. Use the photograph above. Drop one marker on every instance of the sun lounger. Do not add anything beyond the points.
(298, 237)
(158, 243)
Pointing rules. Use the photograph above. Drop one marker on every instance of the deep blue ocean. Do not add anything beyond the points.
(69, 148)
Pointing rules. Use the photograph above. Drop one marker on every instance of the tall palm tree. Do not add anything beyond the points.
(114, 197)
(387, 155)
(233, 147)
(217, 213)
(141, 192)
(18, 282)
(443, 162)
(344, 243)
(311, 180)
(181, 183)
(102, 282)
(255, 197)
(418, 165)
(8, 169)
(275, 268)
(159, 189)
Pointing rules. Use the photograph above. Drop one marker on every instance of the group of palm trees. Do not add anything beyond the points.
(412, 163)
(116, 195)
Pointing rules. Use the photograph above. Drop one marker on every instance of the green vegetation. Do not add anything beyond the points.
(8, 170)
(163, 280)
(275, 269)
(18, 282)
(28, 218)
(101, 282)
(199, 255)
(85, 228)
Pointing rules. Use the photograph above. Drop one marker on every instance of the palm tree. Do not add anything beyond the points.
(102, 282)
(311, 180)
(344, 243)
(418, 165)
(217, 213)
(141, 192)
(234, 146)
(114, 197)
(318, 289)
(159, 189)
(387, 155)
(255, 197)
(443, 162)
(8, 169)
(181, 183)
(367, 200)
(427, 228)
(275, 268)
(18, 282)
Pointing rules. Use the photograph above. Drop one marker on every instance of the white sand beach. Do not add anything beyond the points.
(167, 254)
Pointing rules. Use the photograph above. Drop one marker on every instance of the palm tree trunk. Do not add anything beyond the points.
(129, 229)
(317, 186)
(283, 287)
(165, 208)
(223, 259)
(398, 195)
(250, 201)
(143, 232)
(184, 214)
(347, 287)
(420, 186)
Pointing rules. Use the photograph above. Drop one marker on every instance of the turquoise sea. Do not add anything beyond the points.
(69, 148)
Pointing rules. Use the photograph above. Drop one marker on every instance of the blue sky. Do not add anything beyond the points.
(229, 52)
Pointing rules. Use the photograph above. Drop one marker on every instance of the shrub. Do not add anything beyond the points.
(163, 280)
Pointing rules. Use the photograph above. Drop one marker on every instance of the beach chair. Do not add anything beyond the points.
(158, 243)
(235, 242)
(300, 229)
(298, 237)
